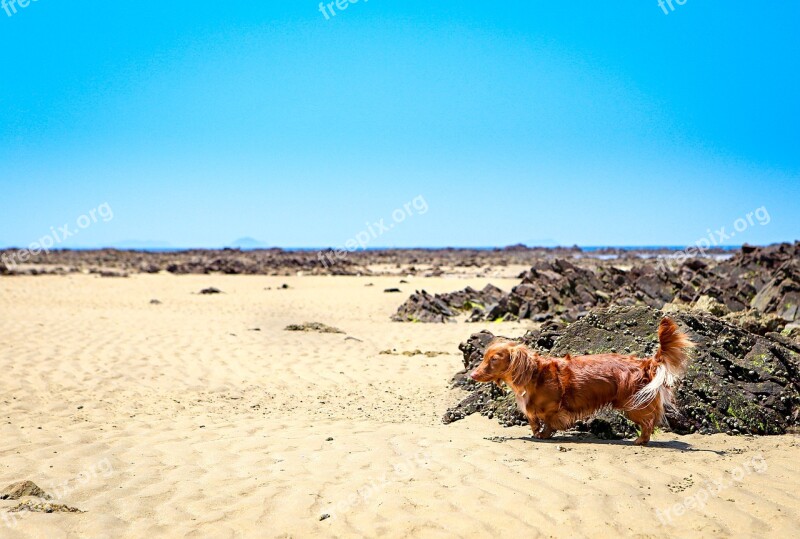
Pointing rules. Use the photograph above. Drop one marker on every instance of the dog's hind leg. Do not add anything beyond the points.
(646, 419)
(647, 431)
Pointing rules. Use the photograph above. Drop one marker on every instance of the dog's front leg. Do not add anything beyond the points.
(535, 423)
(546, 433)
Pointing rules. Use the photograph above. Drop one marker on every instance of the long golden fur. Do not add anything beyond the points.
(554, 392)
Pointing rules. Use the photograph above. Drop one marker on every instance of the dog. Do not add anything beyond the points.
(555, 392)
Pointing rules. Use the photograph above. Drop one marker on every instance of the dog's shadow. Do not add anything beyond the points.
(583, 439)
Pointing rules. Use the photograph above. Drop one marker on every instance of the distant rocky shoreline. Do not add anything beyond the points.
(422, 262)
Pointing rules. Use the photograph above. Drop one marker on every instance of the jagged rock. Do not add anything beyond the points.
(710, 305)
(755, 322)
(424, 307)
(737, 381)
(792, 331)
(737, 281)
(15, 491)
(781, 295)
(650, 285)
(766, 279)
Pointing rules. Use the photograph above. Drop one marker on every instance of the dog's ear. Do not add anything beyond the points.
(524, 365)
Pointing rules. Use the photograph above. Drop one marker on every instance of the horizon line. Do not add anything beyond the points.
(725, 247)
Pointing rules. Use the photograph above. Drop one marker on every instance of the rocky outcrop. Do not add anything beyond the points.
(737, 381)
(424, 307)
(781, 295)
(765, 280)
(736, 282)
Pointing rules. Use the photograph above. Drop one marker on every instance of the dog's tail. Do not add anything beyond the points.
(670, 364)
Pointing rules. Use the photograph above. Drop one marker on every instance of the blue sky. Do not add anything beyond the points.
(568, 122)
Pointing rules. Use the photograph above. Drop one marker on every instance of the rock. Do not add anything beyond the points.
(313, 326)
(112, 273)
(424, 307)
(710, 305)
(792, 331)
(155, 302)
(18, 490)
(781, 295)
(211, 290)
(43, 507)
(737, 281)
(392, 290)
(755, 322)
(736, 379)
(763, 279)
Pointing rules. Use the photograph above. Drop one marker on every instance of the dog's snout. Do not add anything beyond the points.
(473, 375)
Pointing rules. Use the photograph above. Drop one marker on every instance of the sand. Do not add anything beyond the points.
(202, 417)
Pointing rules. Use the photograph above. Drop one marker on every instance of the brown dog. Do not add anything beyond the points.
(555, 392)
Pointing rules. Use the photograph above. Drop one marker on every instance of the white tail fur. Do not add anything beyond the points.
(671, 358)
(661, 384)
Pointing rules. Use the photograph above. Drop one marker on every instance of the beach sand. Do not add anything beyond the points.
(202, 417)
